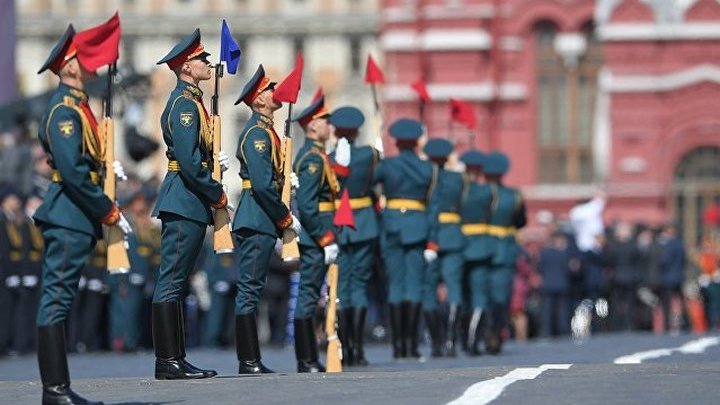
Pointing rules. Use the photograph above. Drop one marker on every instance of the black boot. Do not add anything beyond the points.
(54, 372)
(168, 338)
(396, 321)
(347, 339)
(432, 321)
(451, 335)
(181, 326)
(360, 314)
(475, 332)
(413, 326)
(493, 342)
(306, 351)
(247, 346)
(464, 319)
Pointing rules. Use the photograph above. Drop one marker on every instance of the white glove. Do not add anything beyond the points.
(295, 226)
(119, 171)
(331, 253)
(430, 255)
(124, 224)
(379, 146)
(342, 152)
(294, 183)
(224, 161)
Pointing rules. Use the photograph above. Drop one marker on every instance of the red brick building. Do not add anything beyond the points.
(615, 94)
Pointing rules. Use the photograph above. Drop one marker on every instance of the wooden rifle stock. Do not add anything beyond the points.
(290, 249)
(222, 240)
(334, 347)
(117, 256)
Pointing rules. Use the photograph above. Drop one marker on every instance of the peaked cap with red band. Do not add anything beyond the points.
(63, 51)
(316, 110)
(189, 48)
(256, 85)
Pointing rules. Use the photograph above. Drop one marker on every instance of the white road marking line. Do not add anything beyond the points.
(693, 347)
(487, 391)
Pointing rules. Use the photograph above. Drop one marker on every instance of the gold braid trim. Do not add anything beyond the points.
(90, 142)
(206, 135)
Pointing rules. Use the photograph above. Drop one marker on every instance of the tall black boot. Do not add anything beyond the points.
(432, 321)
(475, 332)
(347, 325)
(306, 351)
(247, 346)
(54, 373)
(181, 334)
(451, 335)
(169, 350)
(493, 342)
(412, 331)
(464, 320)
(396, 320)
(359, 335)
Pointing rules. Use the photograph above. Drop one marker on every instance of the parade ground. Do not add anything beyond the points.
(606, 369)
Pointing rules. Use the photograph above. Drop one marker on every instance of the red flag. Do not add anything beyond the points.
(318, 94)
(373, 74)
(344, 214)
(287, 91)
(99, 46)
(421, 90)
(463, 113)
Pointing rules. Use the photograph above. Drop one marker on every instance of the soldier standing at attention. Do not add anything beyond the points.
(356, 245)
(475, 212)
(261, 215)
(447, 240)
(316, 196)
(507, 215)
(183, 205)
(406, 182)
(72, 213)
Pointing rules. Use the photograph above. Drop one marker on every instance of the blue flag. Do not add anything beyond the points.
(229, 49)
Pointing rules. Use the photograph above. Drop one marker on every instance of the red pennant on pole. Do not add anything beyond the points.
(421, 90)
(373, 74)
(344, 214)
(463, 113)
(99, 46)
(288, 90)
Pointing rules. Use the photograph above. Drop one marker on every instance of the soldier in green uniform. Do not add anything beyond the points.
(474, 211)
(71, 216)
(316, 195)
(446, 241)
(261, 215)
(356, 245)
(406, 183)
(186, 196)
(507, 215)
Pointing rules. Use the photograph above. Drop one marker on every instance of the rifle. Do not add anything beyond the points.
(222, 240)
(117, 256)
(334, 347)
(290, 249)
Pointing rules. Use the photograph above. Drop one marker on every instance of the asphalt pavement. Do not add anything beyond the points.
(628, 368)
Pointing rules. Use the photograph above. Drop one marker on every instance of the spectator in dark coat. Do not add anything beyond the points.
(554, 268)
(623, 257)
(672, 274)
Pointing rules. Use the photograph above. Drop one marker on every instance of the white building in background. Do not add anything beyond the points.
(335, 37)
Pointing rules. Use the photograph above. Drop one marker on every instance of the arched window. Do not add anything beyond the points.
(567, 89)
(696, 187)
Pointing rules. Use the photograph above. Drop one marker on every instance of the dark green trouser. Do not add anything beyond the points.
(449, 268)
(432, 279)
(181, 241)
(66, 252)
(405, 267)
(479, 280)
(312, 274)
(254, 252)
(126, 301)
(355, 269)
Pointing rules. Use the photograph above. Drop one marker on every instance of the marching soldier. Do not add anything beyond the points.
(356, 245)
(475, 211)
(72, 213)
(261, 215)
(406, 182)
(447, 240)
(183, 205)
(507, 215)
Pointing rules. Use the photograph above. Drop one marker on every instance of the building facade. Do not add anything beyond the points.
(584, 95)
